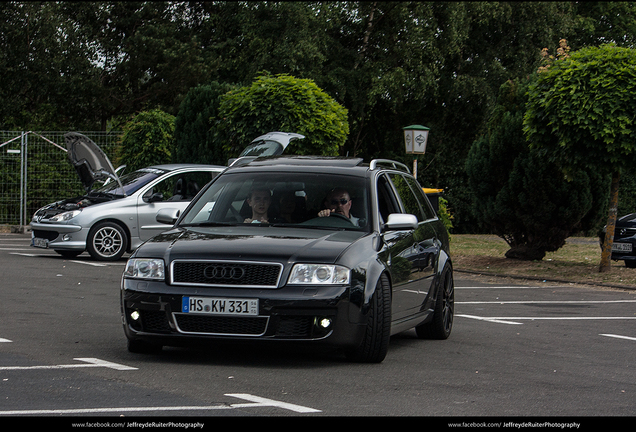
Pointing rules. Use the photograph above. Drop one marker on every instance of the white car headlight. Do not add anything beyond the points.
(145, 268)
(318, 274)
(63, 217)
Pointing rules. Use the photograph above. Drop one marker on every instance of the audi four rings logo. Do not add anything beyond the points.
(224, 272)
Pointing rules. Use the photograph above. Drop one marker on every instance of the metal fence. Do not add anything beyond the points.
(34, 171)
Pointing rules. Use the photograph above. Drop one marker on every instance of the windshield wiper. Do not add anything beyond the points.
(103, 194)
(208, 224)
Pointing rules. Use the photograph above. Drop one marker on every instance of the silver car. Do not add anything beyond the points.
(121, 214)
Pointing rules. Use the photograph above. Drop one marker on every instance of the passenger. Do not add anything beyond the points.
(338, 201)
(259, 200)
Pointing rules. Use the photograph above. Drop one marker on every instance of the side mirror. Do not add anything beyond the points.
(401, 221)
(167, 216)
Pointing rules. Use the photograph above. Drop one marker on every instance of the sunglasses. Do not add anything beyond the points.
(341, 201)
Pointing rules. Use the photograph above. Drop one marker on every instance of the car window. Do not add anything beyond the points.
(410, 200)
(387, 202)
(292, 199)
(263, 148)
(421, 197)
(181, 186)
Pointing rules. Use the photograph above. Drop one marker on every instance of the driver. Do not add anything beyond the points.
(259, 200)
(338, 201)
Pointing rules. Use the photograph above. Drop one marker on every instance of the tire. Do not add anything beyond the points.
(630, 264)
(107, 241)
(375, 342)
(442, 323)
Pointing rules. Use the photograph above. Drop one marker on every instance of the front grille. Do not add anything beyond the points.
(221, 325)
(625, 232)
(226, 273)
(49, 235)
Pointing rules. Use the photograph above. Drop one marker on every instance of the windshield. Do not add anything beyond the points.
(132, 182)
(309, 200)
(263, 148)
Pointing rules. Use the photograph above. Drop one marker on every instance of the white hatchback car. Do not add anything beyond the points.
(121, 214)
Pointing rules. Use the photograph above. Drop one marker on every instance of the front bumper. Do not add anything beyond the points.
(59, 236)
(629, 255)
(285, 314)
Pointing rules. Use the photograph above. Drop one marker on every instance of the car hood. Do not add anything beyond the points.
(627, 220)
(90, 162)
(270, 244)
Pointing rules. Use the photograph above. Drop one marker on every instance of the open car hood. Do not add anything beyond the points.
(90, 162)
(270, 144)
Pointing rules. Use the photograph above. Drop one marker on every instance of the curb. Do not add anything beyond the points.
(540, 279)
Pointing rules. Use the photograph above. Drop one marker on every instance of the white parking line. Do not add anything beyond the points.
(94, 264)
(5, 340)
(89, 263)
(495, 320)
(547, 302)
(618, 336)
(89, 362)
(512, 287)
(511, 320)
(257, 402)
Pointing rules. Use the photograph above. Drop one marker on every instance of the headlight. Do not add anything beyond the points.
(144, 268)
(318, 274)
(63, 217)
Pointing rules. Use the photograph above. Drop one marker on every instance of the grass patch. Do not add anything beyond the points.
(578, 261)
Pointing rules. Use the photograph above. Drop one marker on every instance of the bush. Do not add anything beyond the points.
(285, 104)
(147, 140)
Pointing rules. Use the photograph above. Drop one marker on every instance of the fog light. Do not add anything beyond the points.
(324, 322)
(66, 237)
(134, 315)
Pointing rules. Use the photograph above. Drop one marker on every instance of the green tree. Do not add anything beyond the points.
(196, 131)
(434, 63)
(147, 140)
(581, 114)
(518, 195)
(47, 81)
(286, 104)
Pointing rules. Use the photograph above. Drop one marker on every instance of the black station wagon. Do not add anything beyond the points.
(624, 240)
(320, 250)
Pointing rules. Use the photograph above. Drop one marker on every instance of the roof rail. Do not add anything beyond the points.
(396, 165)
(240, 161)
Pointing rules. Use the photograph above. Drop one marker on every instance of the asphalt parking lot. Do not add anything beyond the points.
(517, 349)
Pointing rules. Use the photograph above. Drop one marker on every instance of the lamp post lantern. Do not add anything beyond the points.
(415, 137)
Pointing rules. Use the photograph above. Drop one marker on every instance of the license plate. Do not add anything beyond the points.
(219, 306)
(622, 247)
(40, 242)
